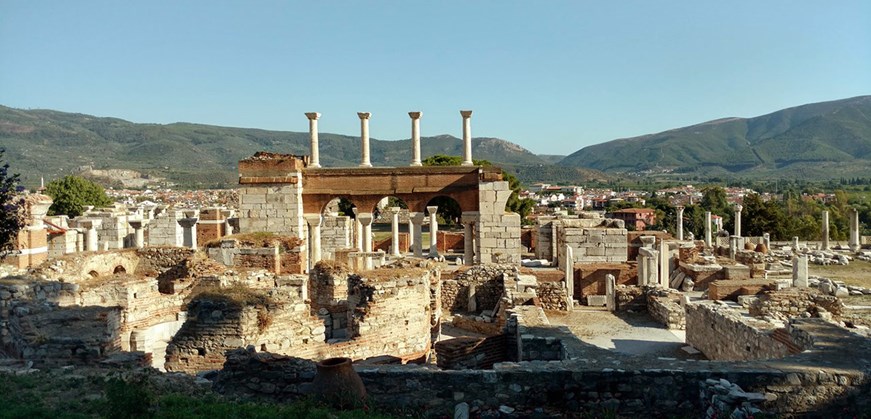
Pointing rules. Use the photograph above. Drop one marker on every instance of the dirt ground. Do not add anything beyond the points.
(858, 272)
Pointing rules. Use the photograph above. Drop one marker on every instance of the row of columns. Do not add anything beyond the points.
(363, 234)
(365, 160)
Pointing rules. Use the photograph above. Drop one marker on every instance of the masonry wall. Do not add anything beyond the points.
(164, 230)
(336, 233)
(273, 208)
(497, 231)
(590, 277)
(487, 280)
(114, 230)
(665, 307)
(723, 334)
(590, 244)
(62, 243)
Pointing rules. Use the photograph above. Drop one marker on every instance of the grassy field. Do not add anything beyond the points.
(858, 272)
(60, 394)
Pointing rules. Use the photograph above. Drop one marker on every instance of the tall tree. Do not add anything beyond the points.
(72, 193)
(11, 201)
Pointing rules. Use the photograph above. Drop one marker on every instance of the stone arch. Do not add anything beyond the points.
(449, 210)
(119, 270)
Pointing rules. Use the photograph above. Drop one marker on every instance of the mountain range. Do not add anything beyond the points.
(819, 140)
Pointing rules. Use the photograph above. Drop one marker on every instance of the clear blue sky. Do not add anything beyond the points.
(552, 76)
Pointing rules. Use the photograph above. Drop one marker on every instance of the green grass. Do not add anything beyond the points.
(53, 395)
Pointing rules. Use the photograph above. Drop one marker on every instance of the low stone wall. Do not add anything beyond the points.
(471, 353)
(793, 302)
(702, 275)
(155, 260)
(832, 381)
(665, 307)
(727, 289)
(53, 336)
(723, 334)
(630, 298)
(487, 280)
(552, 296)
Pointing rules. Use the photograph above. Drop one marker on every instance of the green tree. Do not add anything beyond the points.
(11, 201)
(72, 193)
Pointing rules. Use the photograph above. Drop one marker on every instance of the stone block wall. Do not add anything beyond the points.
(114, 229)
(794, 302)
(664, 306)
(336, 233)
(54, 336)
(723, 334)
(552, 295)
(32, 246)
(498, 238)
(630, 297)
(590, 244)
(164, 230)
(273, 208)
(544, 238)
(387, 313)
(62, 243)
(702, 275)
(488, 283)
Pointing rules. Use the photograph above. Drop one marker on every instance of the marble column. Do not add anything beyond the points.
(415, 138)
(313, 132)
(433, 232)
(365, 219)
(314, 232)
(570, 277)
(707, 229)
(91, 236)
(189, 225)
(467, 138)
(855, 244)
(138, 233)
(364, 136)
(825, 231)
(680, 209)
(468, 240)
(228, 228)
(610, 292)
(799, 271)
(738, 209)
(394, 227)
(416, 219)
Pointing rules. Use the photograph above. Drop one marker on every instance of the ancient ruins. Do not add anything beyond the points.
(262, 291)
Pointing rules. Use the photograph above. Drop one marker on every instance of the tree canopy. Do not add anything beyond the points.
(72, 193)
(11, 201)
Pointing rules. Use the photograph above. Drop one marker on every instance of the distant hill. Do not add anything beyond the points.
(53, 144)
(819, 140)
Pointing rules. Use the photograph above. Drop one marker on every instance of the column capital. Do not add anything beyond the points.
(416, 217)
(313, 220)
(364, 115)
(395, 210)
(679, 207)
(365, 218)
(466, 114)
(415, 115)
(738, 207)
(432, 209)
(312, 115)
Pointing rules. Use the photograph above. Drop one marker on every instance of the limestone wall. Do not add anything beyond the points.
(385, 312)
(164, 230)
(487, 283)
(62, 243)
(794, 302)
(497, 232)
(336, 233)
(114, 230)
(722, 333)
(830, 382)
(665, 308)
(591, 240)
(273, 208)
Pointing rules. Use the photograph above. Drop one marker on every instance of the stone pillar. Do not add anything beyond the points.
(795, 243)
(854, 230)
(80, 240)
(663, 264)
(313, 131)
(647, 266)
(314, 232)
(433, 232)
(610, 292)
(228, 228)
(416, 220)
(138, 233)
(364, 136)
(680, 209)
(365, 219)
(415, 138)
(766, 238)
(738, 209)
(468, 249)
(190, 231)
(91, 237)
(825, 231)
(468, 240)
(707, 229)
(467, 138)
(799, 272)
(394, 227)
(570, 277)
